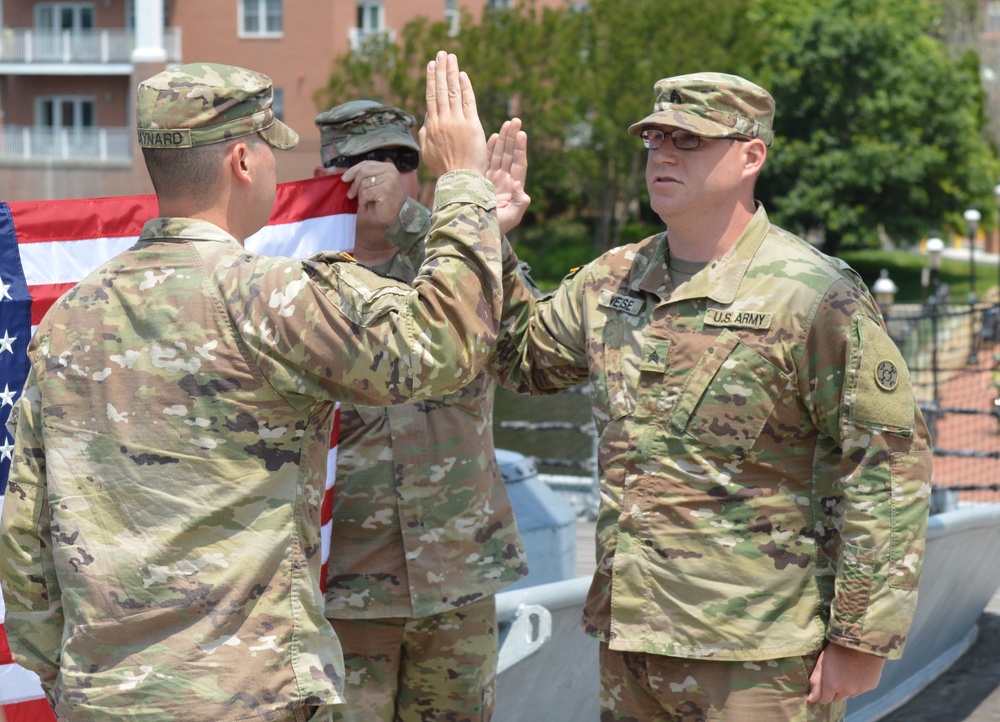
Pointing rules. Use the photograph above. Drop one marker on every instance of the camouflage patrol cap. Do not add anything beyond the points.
(204, 103)
(363, 125)
(713, 105)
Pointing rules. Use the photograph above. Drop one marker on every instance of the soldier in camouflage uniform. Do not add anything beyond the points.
(161, 548)
(765, 471)
(423, 530)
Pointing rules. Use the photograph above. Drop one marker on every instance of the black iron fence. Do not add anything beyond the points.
(953, 353)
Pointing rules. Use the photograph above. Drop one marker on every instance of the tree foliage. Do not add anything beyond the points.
(879, 126)
(577, 79)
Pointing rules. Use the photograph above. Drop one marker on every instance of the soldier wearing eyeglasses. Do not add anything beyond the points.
(765, 470)
(423, 530)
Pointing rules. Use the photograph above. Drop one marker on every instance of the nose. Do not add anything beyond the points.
(666, 153)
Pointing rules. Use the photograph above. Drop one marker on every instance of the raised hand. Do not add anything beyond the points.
(452, 136)
(507, 169)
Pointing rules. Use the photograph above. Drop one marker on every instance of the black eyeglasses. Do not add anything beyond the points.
(652, 139)
(405, 159)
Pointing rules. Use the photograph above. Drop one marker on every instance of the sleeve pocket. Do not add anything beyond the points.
(910, 494)
(25, 515)
(853, 591)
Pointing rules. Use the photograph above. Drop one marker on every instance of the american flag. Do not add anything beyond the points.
(47, 246)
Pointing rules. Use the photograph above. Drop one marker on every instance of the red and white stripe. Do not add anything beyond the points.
(61, 241)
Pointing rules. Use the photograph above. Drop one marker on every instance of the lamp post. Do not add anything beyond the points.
(884, 291)
(996, 192)
(935, 249)
(972, 218)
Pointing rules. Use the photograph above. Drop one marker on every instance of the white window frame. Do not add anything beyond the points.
(58, 7)
(262, 15)
(453, 17)
(993, 16)
(366, 11)
(57, 102)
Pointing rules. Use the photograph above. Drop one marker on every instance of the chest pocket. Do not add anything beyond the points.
(729, 395)
(614, 371)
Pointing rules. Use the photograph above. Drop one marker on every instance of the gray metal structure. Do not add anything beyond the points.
(546, 522)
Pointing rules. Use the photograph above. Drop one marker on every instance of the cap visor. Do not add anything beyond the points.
(382, 138)
(280, 136)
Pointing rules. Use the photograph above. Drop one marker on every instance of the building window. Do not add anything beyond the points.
(70, 112)
(500, 4)
(452, 16)
(370, 31)
(370, 17)
(56, 17)
(261, 18)
(130, 14)
(993, 16)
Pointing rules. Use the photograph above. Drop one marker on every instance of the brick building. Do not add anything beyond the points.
(68, 71)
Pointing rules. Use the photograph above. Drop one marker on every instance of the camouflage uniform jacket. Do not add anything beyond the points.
(765, 472)
(422, 523)
(161, 545)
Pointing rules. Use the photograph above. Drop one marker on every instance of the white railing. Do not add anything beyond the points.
(84, 46)
(105, 145)
(361, 39)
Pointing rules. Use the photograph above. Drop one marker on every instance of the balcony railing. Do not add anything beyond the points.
(361, 40)
(84, 46)
(73, 145)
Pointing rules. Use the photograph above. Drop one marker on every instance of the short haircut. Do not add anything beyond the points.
(192, 172)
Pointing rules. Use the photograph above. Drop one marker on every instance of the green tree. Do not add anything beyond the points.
(577, 79)
(879, 127)
(624, 48)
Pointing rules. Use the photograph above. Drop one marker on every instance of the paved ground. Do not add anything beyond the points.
(967, 691)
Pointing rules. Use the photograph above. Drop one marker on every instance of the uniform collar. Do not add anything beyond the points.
(720, 280)
(184, 229)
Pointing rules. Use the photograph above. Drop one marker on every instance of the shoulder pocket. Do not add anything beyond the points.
(366, 296)
(878, 394)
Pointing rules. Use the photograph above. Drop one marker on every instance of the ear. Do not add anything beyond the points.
(240, 162)
(755, 154)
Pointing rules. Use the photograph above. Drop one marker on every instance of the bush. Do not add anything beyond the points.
(553, 248)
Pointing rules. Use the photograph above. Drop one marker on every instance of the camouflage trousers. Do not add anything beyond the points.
(639, 687)
(441, 667)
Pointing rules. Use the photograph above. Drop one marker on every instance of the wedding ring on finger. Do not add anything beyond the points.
(372, 179)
